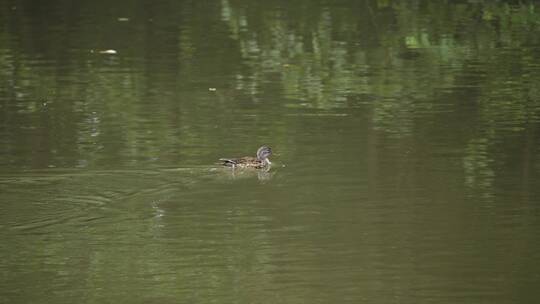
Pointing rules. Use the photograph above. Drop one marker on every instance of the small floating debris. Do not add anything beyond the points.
(122, 19)
(212, 89)
(111, 52)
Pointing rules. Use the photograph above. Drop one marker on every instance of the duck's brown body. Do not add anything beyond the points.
(244, 162)
(261, 161)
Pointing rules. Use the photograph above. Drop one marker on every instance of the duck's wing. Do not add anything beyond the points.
(237, 161)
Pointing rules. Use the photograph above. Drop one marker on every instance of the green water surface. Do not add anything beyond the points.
(406, 139)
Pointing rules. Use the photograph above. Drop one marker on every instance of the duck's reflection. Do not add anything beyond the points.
(263, 174)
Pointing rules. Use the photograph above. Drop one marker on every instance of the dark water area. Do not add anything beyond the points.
(406, 141)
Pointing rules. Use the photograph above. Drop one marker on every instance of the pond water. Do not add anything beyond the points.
(406, 141)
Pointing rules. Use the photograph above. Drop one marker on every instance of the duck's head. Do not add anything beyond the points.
(264, 153)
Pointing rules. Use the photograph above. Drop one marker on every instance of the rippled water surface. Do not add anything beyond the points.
(406, 142)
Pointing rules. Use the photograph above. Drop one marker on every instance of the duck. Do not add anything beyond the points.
(261, 161)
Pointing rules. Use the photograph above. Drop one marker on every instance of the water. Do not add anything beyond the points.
(406, 164)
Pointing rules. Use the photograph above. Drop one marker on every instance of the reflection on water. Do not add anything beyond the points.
(261, 174)
(478, 172)
(406, 137)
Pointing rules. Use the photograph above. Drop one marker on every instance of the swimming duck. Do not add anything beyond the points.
(261, 161)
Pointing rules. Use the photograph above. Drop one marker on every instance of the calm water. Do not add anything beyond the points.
(406, 140)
